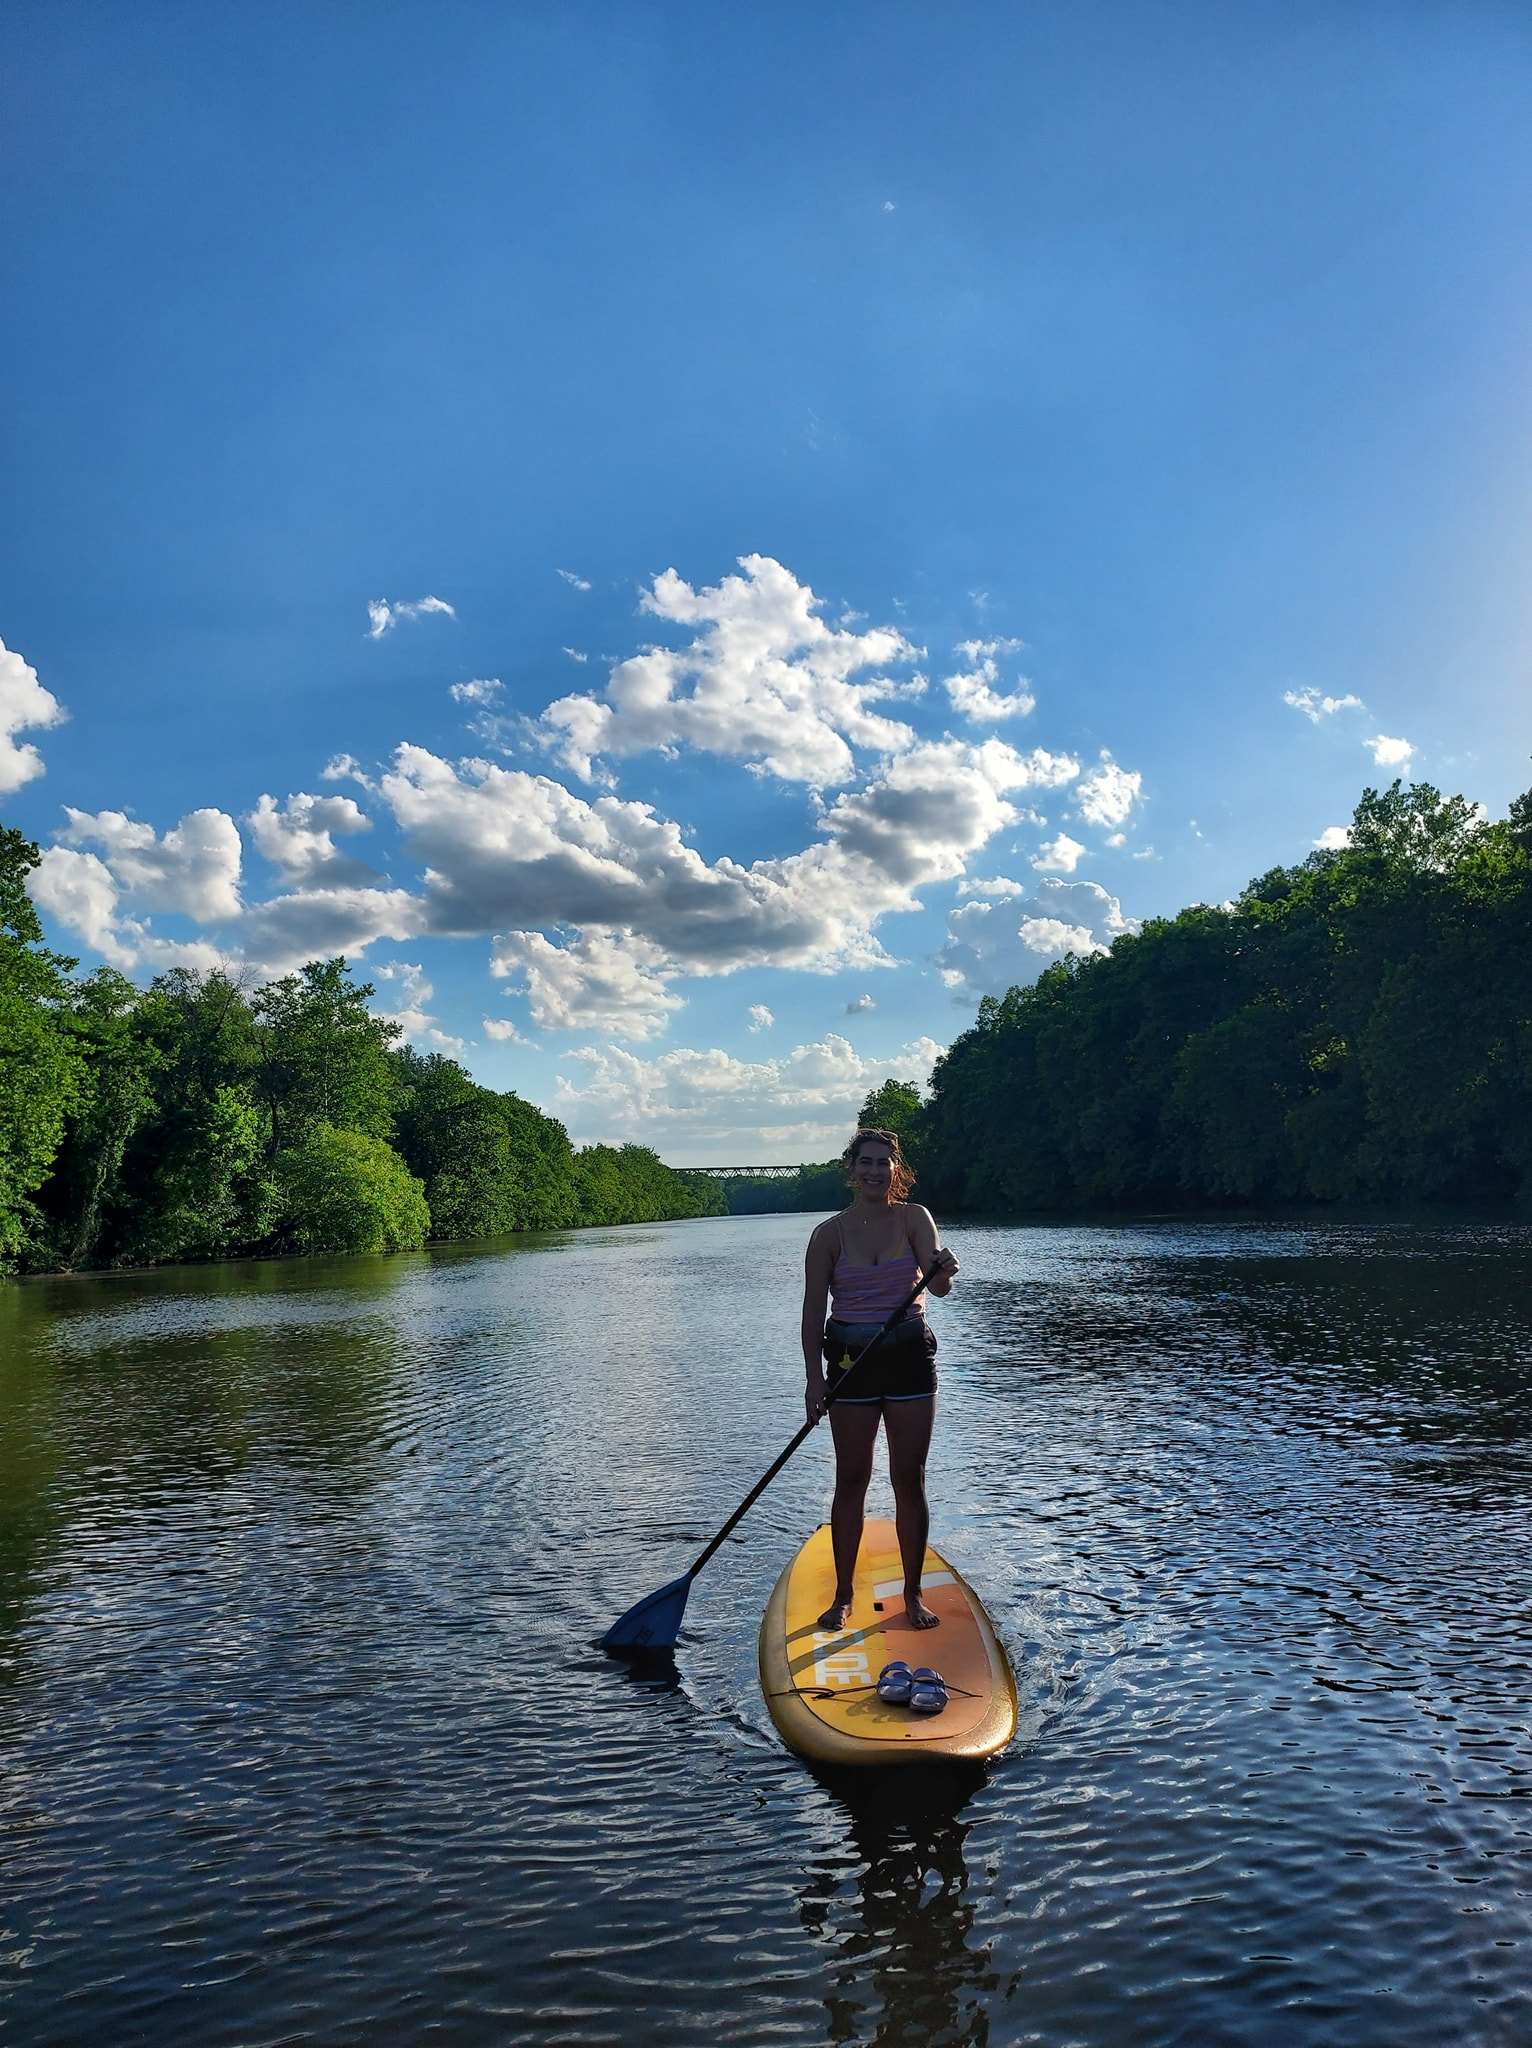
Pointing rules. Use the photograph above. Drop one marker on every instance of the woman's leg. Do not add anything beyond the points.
(855, 1430)
(909, 1425)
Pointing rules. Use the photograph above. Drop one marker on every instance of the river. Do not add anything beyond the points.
(303, 1736)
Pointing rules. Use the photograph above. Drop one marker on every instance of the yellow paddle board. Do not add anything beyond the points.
(821, 1685)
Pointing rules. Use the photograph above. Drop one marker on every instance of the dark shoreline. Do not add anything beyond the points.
(294, 1258)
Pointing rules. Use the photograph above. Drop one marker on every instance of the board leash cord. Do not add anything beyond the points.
(825, 1692)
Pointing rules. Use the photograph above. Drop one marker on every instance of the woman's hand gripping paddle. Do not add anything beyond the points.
(654, 1623)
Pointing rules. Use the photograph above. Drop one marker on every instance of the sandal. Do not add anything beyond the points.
(928, 1691)
(894, 1684)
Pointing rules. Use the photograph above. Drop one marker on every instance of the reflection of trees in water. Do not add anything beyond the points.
(1424, 1332)
(118, 1394)
(1427, 1334)
(904, 1972)
(29, 1514)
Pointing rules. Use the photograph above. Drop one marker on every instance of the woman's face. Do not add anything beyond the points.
(873, 1172)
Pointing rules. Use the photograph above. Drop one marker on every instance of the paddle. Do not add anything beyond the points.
(654, 1623)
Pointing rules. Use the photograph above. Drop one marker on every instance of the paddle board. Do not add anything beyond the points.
(821, 1685)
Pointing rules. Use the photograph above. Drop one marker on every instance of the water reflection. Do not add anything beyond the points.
(303, 1732)
(29, 1507)
(906, 1968)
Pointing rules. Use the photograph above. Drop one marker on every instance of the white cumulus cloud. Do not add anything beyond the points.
(383, 616)
(508, 849)
(595, 906)
(194, 868)
(1059, 856)
(315, 924)
(297, 838)
(596, 981)
(25, 706)
(1334, 839)
(1003, 936)
(1315, 707)
(700, 1104)
(80, 891)
(764, 681)
(574, 581)
(620, 901)
(1107, 794)
(1052, 938)
(1387, 753)
(973, 690)
(346, 768)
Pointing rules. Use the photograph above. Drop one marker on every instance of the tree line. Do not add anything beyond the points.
(199, 1119)
(823, 1184)
(1357, 1027)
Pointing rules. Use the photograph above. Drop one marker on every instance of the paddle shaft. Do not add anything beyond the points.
(807, 1430)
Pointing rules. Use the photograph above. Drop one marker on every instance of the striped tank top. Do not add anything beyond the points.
(870, 1294)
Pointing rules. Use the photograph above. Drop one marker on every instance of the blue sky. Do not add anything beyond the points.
(883, 370)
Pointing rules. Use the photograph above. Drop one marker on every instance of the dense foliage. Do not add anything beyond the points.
(813, 1187)
(342, 1191)
(196, 1120)
(896, 1107)
(41, 1069)
(1358, 1027)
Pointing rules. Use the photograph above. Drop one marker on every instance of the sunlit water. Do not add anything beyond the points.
(302, 1736)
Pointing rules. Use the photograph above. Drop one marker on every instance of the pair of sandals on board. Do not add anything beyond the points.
(922, 1690)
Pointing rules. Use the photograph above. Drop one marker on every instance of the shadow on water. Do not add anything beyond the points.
(657, 1670)
(904, 1969)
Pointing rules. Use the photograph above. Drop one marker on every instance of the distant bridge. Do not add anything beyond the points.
(744, 1172)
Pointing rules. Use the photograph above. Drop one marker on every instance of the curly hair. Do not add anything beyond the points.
(902, 1174)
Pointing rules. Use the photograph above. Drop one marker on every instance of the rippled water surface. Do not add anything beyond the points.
(302, 1736)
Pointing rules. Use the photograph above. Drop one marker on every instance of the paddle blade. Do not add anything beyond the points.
(652, 1624)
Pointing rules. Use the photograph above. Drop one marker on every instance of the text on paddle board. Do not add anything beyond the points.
(845, 1665)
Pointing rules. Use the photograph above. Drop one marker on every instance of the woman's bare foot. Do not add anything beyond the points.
(838, 1613)
(920, 1616)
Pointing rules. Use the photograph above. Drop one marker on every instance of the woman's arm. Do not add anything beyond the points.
(935, 1262)
(818, 1265)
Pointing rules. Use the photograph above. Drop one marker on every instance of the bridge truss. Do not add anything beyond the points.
(745, 1172)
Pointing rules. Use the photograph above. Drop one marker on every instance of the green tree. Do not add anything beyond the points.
(490, 1162)
(1413, 829)
(814, 1186)
(452, 1135)
(343, 1191)
(326, 1058)
(544, 1163)
(630, 1184)
(84, 1201)
(41, 1061)
(1357, 1026)
(895, 1106)
(196, 1175)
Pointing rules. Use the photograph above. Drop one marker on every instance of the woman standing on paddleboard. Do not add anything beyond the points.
(862, 1264)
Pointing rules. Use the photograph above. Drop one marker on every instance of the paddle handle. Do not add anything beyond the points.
(805, 1433)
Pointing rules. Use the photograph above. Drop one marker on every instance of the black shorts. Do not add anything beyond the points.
(902, 1368)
